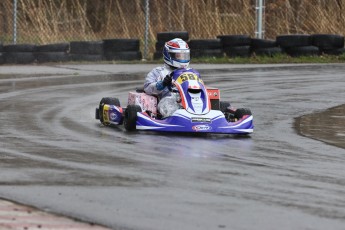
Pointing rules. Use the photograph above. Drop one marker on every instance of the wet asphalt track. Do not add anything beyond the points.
(56, 156)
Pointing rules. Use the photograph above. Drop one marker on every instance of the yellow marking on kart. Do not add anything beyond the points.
(188, 76)
(105, 113)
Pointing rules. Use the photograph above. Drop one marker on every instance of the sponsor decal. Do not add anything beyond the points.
(198, 128)
(113, 116)
(201, 119)
(188, 76)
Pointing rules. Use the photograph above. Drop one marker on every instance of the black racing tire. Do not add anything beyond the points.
(86, 47)
(207, 53)
(20, 48)
(303, 51)
(2, 58)
(123, 56)
(57, 47)
(239, 113)
(86, 57)
(157, 55)
(109, 101)
(237, 51)
(335, 51)
(294, 40)
(167, 36)
(159, 46)
(130, 117)
(235, 40)
(121, 45)
(328, 41)
(270, 52)
(19, 58)
(257, 43)
(201, 44)
(223, 105)
(43, 57)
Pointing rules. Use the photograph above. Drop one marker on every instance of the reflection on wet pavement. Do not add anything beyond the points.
(327, 126)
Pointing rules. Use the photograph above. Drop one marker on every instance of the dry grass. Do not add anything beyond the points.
(49, 21)
(304, 17)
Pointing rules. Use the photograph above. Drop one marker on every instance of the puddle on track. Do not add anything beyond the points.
(327, 126)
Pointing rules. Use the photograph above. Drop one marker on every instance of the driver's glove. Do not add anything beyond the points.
(160, 85)
(167, 80)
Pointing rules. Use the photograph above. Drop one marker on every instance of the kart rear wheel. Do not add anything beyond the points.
(130, 118)
(109, 101)
(239, 113)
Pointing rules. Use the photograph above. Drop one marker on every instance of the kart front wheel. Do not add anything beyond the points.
(130, 118)
(109, 101)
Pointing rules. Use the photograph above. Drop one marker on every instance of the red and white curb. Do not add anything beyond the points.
(17, 216)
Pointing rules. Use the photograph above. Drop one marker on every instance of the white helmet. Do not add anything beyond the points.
(176, 53)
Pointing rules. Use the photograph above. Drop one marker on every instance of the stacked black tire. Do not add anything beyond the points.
(264, 47)
(57, 52)
(163, 37)
(122, 49)
(236, 45)
(206, 48)
(2, 58)
(331, 44)
(86, 51)
(19, 54)
(297, 45)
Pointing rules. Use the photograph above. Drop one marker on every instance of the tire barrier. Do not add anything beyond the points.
(57, 52)
(206, 48)
(56, 47)
(44, 57)
(329, 43)
(124, 56)
(86, 51)
(264, 47)
(2, 59)
(122, 49)
(110, 49)
(232, 46)
(244, 46)
(236, 45)
(297, 45)
(19, 54)
(163, 37)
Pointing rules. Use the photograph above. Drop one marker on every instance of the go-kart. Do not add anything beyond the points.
(200, 110)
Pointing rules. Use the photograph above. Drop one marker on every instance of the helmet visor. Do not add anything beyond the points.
(181, 56)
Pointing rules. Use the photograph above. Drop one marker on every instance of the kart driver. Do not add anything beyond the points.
(176, 55)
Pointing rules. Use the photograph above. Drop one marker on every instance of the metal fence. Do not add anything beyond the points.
(50, 21)
(53, 21)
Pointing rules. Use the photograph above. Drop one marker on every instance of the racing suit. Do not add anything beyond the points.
(153, 81)
(154, 86)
